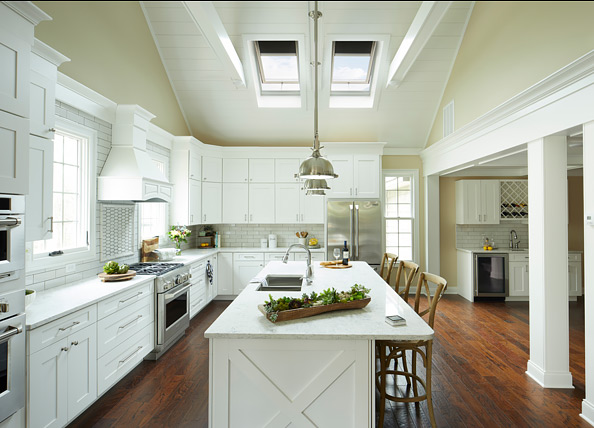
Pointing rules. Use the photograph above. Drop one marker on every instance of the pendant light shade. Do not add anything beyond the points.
(315, 168)
(315, 186)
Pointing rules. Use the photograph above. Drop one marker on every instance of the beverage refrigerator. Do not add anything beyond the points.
(359, 222)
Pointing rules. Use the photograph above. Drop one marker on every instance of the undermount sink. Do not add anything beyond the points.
(519, 249)
(281, 283)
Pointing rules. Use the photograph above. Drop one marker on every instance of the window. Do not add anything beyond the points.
(352, 66)
(154, 216)
(278, 65)
(73, 195)
(401, 213)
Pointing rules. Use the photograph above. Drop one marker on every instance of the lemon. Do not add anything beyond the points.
(485, 247)
(489, 248)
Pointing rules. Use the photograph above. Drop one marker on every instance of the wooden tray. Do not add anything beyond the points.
(335, 265)
(293, 314)
(109, 277)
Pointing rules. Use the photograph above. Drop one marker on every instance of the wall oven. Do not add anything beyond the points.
(491, 276)
(12, 353)
(12, 234)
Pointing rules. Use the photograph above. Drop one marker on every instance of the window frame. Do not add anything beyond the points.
(262, 77)
(36, 263)
(370, 70)
(414, 175)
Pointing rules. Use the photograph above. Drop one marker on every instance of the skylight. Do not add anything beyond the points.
(352, 66)
(278, 65)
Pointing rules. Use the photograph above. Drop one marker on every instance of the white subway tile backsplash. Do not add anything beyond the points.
(55, 282)
(472, 236)
(40, 277)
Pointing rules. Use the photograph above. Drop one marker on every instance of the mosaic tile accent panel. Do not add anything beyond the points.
(118, 227)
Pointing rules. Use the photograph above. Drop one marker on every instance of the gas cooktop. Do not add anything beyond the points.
(157, 269)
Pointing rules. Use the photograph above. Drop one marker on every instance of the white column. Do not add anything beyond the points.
(432, 224)
(588, 403)
(549, 307)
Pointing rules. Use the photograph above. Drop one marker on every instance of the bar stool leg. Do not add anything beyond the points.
(382, 386)
(414, 370)
(429, 350)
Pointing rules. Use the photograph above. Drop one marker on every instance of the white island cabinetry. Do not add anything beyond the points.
(317, 371)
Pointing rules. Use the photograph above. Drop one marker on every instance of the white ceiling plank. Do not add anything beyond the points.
(175, 28)
(181, 41)
(422, 28)
(194, 64)
(207, 19)
(170, 14)
(188, 53)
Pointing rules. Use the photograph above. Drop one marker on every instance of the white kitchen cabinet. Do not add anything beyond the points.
(212, 287)
(42, 105)
(477, 202)
(225, 274)
(211, 202)
(14, 146)
(301, 256)
(358, 176)
(287, 202)
(195, 166)
(235, 203)
(235, 170)
(269, 257)
(212, 169)
(311, 208)
(285, 170)
(198, 298)
(14, 72)
(39, 201)
(186, 203)
(261, 203)
(518, 278)
(575, 275)
(195, 201)
(62, 379)
(245, 267)
(261, 171)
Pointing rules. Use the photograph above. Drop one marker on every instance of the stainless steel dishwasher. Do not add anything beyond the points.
(491, 274)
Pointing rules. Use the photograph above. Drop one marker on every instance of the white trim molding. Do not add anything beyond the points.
(28, 11)
(402, 151)
(561, 101)
(548, 379)
(588, 412)
(81, 97)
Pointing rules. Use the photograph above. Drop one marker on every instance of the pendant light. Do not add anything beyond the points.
(316, 169)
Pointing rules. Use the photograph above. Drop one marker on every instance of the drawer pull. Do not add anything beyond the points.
(128, 323)
(75, 343)
(130, 298)
(64, 348)
(131, 355)
(70, 326)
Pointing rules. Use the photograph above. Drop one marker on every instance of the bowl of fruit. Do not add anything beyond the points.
(313, 243)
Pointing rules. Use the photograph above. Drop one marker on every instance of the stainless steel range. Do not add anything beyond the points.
(172, 292)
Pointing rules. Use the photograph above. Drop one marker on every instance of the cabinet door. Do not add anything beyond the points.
(235, 203)
(235, 170)
(212, 169)
(311, 208)
(287, 203)
(285, 170)
(225, 274)
(261, 203)
(195, 165)
(243, 272)
(82, 370)
(14, 147)
(195, 203)
(366, 169)
(214, 286)
(341, 187)
(518, 278)
(48, 383)
(575, 278)
(262, 171)
(211, 202)
(491, 204)
(42, 105)
(468, 202)
(14, 72)
(40, 198)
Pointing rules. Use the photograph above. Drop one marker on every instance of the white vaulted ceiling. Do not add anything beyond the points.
(219, 111)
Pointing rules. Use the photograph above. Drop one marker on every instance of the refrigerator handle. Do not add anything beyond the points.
(356, 232)
(351, 224)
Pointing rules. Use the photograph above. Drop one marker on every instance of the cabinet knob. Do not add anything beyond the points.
(75, 343)
(52, 130)
(64, 348)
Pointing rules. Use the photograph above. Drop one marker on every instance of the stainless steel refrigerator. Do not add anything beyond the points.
(359, 222)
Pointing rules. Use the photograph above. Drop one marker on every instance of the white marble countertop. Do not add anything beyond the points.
(242, 319)
(502, 250)
(60, 301)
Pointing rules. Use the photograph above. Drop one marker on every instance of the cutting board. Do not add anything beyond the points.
(335, 265)
(109, 277)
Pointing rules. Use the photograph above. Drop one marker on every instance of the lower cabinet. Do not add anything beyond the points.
(198, 297)
(225, 274)
(245, 267)
(518, 279)
(62, 379)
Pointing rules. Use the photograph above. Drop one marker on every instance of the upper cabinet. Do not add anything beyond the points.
(477, 202)
(294, 206)
(358, 176)
(14, 71)
(285, 170)
(186, 206)
(212, 169)
(514, 200)
(248, 170)
(261, 170)
(235, 170)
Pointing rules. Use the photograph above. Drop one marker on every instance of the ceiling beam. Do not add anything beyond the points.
(424, 24)
(208, 21)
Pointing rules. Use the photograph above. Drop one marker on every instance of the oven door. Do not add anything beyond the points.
(173, 316)
(12, 365)
(12, 243)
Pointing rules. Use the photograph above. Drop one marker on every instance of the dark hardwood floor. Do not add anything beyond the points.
(479, 363)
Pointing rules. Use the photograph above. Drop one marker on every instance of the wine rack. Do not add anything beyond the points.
(514, 199)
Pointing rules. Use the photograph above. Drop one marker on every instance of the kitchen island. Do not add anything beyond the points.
(316, 371)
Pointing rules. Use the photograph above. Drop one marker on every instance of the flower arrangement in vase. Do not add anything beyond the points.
(179, 235)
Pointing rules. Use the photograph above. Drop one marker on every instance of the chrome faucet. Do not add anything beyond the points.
(308, 271)
(512, 236)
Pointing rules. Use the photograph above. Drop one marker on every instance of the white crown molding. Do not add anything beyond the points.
(159, 136)
(375, 148)
(28, 11)
(47, 52)
(545, 98)
(78, 95)
(402, 151)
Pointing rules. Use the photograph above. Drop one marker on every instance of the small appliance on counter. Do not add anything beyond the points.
(271, 241)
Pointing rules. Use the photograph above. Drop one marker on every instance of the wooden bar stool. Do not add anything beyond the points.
(388, 351)
(390, 259)
(409, 269)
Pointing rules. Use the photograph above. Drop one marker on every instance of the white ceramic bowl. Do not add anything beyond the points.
(30, 297)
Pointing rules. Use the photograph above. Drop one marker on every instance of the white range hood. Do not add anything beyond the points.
(129, 173)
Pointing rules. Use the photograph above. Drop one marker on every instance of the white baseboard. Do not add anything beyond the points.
(561, 380)
(588, 412)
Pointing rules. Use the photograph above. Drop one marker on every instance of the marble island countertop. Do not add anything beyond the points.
(242, 319)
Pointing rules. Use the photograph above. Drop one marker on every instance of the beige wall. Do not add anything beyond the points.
(508, 47)
(412, 162)
(447, 220)
(112, 52)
